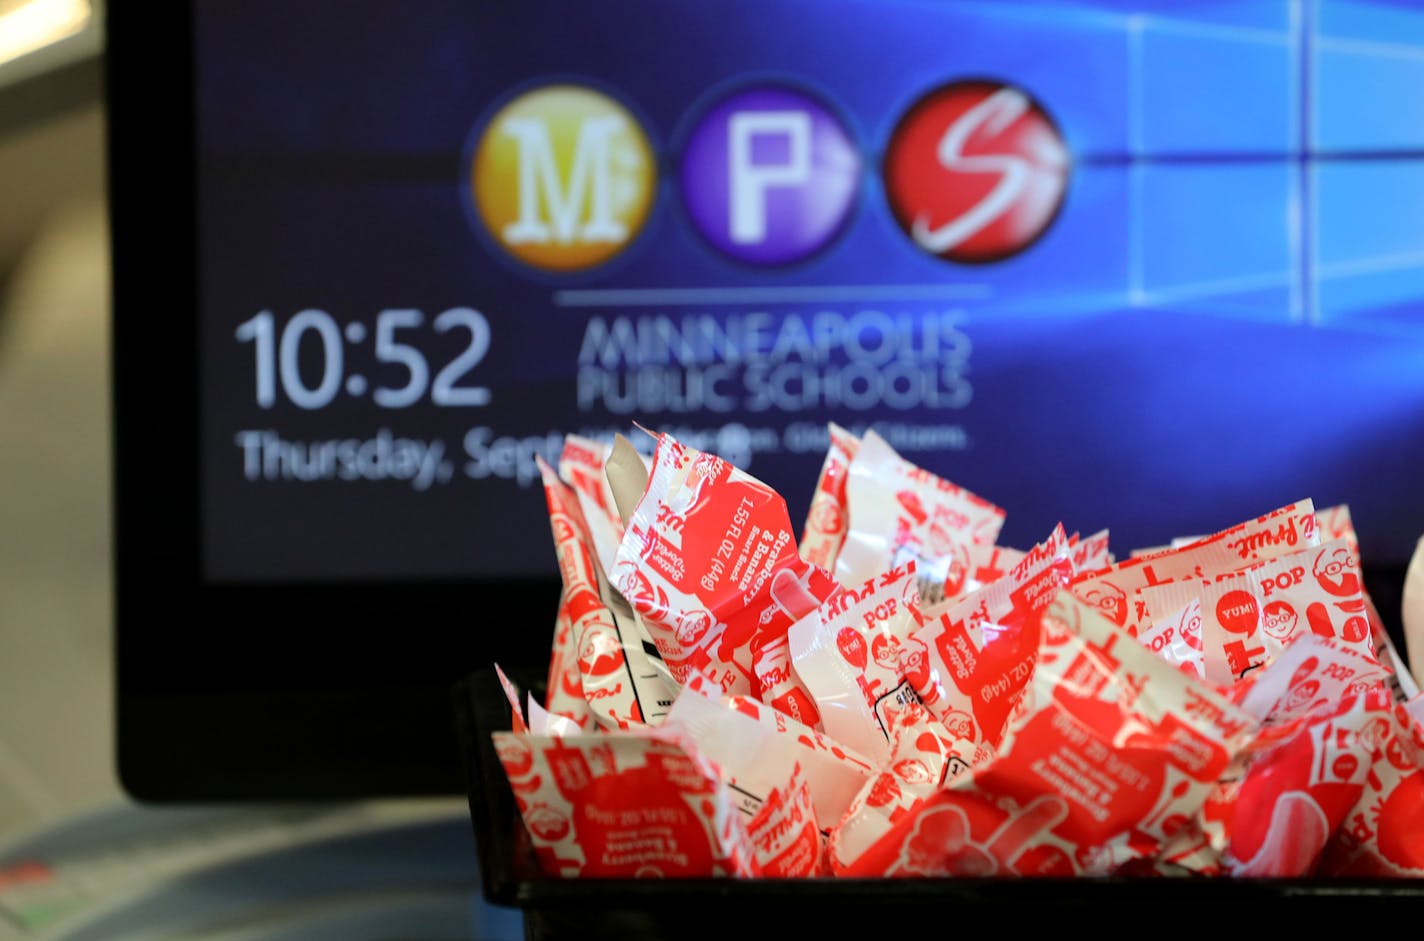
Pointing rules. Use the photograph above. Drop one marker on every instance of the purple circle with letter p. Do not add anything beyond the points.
(769, 175)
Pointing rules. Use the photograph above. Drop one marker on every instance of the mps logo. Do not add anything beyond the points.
(563, 177)
(976, 171)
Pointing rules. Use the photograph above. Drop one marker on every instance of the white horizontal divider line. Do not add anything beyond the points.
(771, 294)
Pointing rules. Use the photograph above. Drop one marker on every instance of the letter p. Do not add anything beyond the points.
(748, 179)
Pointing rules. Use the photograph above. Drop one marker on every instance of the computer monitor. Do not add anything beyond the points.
(1139, 266)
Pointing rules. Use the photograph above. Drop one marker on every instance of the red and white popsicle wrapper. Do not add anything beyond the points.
(563, 688)
(1116, 752)
(1114, 589)
(531, 717)
(710, 562)
(580, 608)
(1401, 682)
(1231, 705)
(1176, 637)
(924, 754)
(900, 512)
(1248, 619)
(1091, 553)
(786, 835)
(625, 805)
(970, 664)
(1296, 793)
(1336, 523)
(581, 466)
(827, 517)
(1251, 615)
(847, 653)
(756, 748)
(1381, 835)
(1312, 674)
(1306, 762)
(511, 694)
(618, 685)
(988, 564)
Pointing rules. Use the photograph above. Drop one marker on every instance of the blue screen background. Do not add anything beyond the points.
(1224, 317)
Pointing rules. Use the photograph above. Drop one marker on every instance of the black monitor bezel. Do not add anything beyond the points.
(216, 696)
(260, 691)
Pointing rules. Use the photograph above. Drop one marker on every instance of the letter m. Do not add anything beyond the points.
(552, 208)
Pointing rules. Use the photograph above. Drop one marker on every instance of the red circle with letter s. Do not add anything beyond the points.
(976, 171)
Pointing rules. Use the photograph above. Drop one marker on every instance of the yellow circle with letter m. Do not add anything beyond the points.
(563, 177)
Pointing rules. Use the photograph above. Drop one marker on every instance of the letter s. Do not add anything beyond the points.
(994, 113)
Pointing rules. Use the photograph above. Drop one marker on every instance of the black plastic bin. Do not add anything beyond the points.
(736, 909)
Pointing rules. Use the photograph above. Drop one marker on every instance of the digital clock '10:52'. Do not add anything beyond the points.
(278, 351)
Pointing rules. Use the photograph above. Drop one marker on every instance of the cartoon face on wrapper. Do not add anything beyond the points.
(1110, 600)
(1278, 620)
(959, 724)
(546, 823)
(601, 654)
(1301, 696)
(1335, 571)
(914, 771)
(515, 756)
(1191, 631)
(692, 627)
(826, 517)
(634, 585)
(886, 651)
(915, 664)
